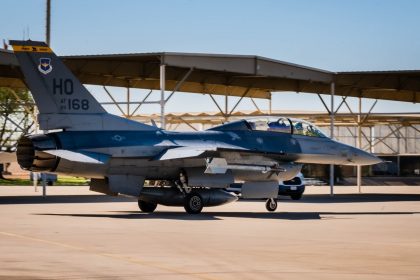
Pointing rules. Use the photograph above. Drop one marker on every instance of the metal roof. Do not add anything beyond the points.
(233, 75)
(403, 85)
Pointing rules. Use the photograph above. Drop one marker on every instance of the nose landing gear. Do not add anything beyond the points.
(271, 204)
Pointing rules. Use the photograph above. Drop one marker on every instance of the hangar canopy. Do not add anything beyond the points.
(232, 75)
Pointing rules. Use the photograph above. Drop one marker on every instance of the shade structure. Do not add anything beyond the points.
(231, 75)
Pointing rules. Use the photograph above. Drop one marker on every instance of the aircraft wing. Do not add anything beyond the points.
(6, 157)
(85, 157)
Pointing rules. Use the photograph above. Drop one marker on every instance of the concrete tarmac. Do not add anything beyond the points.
(77, 234)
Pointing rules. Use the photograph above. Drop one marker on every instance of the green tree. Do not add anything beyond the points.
(16, 115)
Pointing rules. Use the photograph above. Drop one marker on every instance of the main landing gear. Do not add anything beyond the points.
(193, 203)
(179, 195)
(147, 207)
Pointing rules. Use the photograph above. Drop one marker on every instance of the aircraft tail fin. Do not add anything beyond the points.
(53, 86)
(63, 102)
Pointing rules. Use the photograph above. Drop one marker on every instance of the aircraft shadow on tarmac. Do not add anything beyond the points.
(209, 215)
(206, 216)
(311, 198)
(64, 199)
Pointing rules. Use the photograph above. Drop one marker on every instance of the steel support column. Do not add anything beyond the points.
(372, 139)
(162, 96)
(332, 136)
(44, 184)
(226, 107)
(35, 180)
(359, 145)
(128, 102)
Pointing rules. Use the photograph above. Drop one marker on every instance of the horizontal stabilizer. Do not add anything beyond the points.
(86, 157)
(7, 157)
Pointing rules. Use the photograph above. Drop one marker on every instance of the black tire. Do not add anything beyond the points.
(147, 207)
(193, 203)
(271, 205)
(296, 196)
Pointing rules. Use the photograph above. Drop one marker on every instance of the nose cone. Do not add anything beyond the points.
(364, 158)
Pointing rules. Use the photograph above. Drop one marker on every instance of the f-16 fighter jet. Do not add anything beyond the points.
(192, 168)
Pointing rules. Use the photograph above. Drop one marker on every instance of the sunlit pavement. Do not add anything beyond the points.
(77, 234)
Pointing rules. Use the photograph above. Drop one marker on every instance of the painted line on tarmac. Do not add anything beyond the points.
(114, 256)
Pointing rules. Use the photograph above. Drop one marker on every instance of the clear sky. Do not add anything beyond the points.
(331, 35)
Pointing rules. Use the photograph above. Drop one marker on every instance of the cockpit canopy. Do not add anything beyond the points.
(286, 125)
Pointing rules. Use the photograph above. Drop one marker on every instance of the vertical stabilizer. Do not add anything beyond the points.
(53, 85)
(63, 102)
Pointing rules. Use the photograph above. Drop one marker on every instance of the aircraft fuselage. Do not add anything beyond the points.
(137, 152)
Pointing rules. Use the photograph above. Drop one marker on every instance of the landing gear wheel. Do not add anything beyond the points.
(193, 203)
(147, 207)
(271, 204)
(296, 196)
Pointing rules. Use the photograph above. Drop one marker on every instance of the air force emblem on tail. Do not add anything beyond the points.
(45, 66)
